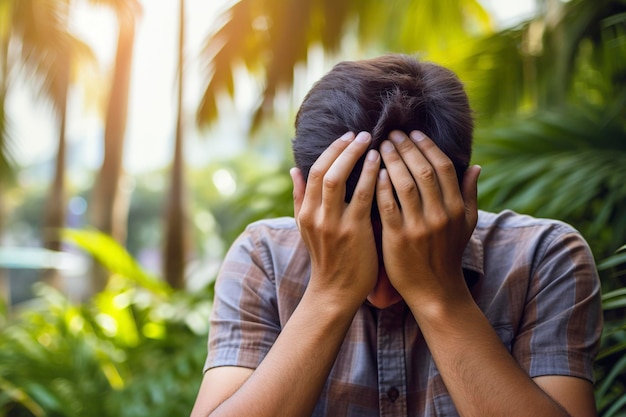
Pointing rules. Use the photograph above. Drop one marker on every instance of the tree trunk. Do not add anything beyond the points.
(5, 288)
(110, 200)
(54, 209)
(175, 247)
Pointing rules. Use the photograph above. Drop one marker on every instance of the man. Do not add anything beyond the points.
(390, 294)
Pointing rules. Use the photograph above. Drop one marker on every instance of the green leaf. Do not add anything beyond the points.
(612, 261)
(115, 258)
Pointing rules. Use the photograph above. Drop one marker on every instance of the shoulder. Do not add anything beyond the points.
(513, 230)
(271, 234)
(509, 237)
(278, 224)
(512, 221)
(270, 244)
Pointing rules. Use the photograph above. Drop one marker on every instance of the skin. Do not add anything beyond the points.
(427, 232)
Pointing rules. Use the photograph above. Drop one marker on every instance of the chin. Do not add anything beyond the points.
(383, 302)
(384, 294)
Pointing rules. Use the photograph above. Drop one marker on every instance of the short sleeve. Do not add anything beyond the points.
(244, 320)
(562, 321)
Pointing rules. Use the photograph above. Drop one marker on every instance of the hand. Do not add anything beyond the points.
(339, 235)
(423, 238)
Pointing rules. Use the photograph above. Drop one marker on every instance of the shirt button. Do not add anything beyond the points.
(393, 394)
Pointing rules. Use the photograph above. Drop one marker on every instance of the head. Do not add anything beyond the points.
(380, 95)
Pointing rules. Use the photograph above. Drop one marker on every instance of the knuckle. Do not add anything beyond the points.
(426, 174)
(362, 196)
(446, 166)
(315, 173)
(330, 183)
(387, 207)
(305, 219)
(439, 220)
(406, 187)
(327, 230)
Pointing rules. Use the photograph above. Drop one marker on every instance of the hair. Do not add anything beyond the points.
(391, 92)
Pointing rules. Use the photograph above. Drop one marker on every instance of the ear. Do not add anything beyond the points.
(299, 186)
(469, 190)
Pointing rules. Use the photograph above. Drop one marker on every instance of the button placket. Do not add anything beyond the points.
(391, 362)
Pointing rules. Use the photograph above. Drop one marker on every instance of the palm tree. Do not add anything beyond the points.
(549, 60)
(6, 162)
(41, 28)
(552, 116)
(273, 36)
(176, 243)
(109, 204)
(39, 31)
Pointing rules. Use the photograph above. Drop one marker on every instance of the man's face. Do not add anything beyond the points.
(384, 294)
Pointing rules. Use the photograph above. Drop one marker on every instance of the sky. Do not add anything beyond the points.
(151, 119)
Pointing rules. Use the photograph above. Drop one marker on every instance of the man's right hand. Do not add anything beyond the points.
(344, 269)
(339, 235)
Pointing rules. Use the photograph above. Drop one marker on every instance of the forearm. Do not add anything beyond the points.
(290, 379)
(481, 376)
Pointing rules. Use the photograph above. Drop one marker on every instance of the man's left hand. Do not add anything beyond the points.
(424, 236)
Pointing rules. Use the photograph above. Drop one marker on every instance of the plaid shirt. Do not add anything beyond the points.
(534, 279)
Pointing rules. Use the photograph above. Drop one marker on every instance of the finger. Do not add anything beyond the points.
(322, 164)
(334, 182)
(363, 197)
(443, 166)
(421, 169)
(298, 190)
(388, 209)
(401, 178)
(470, 194)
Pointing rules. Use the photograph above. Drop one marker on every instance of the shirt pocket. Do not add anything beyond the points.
(438, 394)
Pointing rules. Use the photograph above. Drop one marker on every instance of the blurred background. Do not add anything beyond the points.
(139, 137)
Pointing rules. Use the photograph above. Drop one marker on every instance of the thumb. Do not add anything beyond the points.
(469, 190)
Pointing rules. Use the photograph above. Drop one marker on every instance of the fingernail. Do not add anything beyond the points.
(417, 135)
(386, 146)
(372, 155)
(348, 136)
(396, 137)
(382, 174)
(363, 137)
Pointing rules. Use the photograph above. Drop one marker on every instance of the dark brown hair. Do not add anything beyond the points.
(380, 95)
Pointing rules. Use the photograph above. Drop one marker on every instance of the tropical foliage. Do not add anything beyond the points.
(271, 37)
(549, 96)
(611, 361)
(135, 349)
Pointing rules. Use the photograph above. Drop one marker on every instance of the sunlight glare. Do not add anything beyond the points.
(224, 182)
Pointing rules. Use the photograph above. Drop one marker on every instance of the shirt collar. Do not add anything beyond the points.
(472, 261)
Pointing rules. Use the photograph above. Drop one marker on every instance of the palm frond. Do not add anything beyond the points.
(568, 165)
(542, 64)
(47, 48)
(115, 258)
(7, 161)
(270, 37)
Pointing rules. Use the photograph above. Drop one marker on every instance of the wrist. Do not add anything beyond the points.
(331, 303)
(440, 304)
(343, 290)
